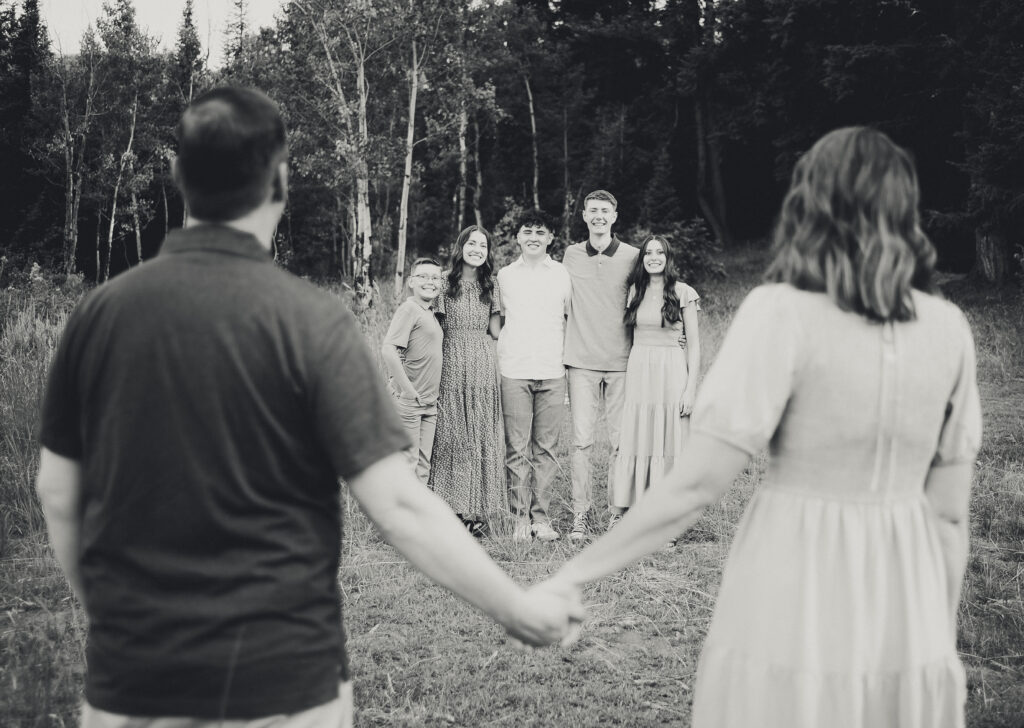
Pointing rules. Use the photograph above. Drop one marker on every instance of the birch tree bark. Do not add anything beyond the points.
(410, 140)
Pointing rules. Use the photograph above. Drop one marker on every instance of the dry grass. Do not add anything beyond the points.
(422, 658)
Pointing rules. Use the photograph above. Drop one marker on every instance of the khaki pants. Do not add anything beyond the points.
(334, 714)
(419, 422)
(586, 390)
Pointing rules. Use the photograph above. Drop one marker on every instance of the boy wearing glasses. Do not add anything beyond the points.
(412, 355)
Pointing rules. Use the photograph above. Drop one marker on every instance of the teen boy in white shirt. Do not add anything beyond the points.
(535, 292)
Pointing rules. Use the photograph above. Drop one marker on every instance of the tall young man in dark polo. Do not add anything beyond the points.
(199, 411)
(596, 345)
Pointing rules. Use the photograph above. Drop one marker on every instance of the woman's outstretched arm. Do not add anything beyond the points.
(703, 473)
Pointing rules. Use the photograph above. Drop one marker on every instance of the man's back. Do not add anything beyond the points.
(212, 399)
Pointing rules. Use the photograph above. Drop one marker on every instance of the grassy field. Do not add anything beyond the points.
(422, 658)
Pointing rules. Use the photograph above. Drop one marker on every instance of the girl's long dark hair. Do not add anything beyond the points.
(639, 279)
(483, 272)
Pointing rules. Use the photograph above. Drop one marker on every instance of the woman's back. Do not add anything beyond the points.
(868, 400)
(838, 547)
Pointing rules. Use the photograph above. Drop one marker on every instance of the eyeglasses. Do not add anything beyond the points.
(432, 279)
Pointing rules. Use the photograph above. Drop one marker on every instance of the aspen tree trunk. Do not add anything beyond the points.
(478, 190)
(463, 157)
(99, 234)
(403, 206)
(117, 188)
(364, 243)
(533, 140)
(138, 228)
(74, 160)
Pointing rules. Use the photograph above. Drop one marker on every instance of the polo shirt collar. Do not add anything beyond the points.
(214, 238)
(609, 251)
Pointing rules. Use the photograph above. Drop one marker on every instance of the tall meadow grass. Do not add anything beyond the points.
(422, 657)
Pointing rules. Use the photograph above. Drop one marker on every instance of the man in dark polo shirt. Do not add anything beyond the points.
(199, 411)
(596, 345)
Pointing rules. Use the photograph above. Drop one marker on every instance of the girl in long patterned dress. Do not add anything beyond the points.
(468, 463)
(661, 375)
(838, 602)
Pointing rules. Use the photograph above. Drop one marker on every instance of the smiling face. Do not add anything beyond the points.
(474, 250)
(599, 216)
(534, 241)
(425, 281)
(655, 257)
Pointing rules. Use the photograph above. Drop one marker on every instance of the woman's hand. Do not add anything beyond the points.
(686, 402)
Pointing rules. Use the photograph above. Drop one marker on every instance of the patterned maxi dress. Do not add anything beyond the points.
(653, 433)
(468, 462)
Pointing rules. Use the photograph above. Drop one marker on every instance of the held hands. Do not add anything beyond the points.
(546, 613)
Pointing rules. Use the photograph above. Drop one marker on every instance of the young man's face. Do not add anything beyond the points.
(599, 216)
(534, 241)
(425, 281)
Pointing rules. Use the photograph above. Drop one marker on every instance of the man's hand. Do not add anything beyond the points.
(547, 613)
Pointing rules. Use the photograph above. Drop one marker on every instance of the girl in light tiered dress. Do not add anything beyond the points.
(838, 601)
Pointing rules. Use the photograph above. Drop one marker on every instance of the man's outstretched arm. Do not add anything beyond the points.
(59, 485)
(424, 530)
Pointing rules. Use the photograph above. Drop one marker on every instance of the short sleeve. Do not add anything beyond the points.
(687, 296)
(401, 326)
(60, 419)
(353, 414)
(750, 382)
(495, 297)
(960, 437)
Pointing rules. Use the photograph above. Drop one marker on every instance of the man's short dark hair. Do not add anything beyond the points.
(603, 195)
(230, 141)
(535, 218)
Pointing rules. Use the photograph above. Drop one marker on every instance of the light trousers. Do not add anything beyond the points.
(534, 410)
(420, 422)
(587, 388)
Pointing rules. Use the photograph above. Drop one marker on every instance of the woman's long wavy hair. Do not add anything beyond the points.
(639, 279)
(849, 226)
(484, 272)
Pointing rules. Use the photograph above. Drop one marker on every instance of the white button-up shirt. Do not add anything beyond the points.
(534, 301)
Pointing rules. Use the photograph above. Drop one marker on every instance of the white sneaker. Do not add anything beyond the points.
(613, 520)
(522, 533)
(543, 531)
(579, 527)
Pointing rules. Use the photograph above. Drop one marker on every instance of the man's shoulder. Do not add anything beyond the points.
(574, 251)
(627, 249)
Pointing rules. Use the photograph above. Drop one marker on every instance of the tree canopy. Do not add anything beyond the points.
(409, 119)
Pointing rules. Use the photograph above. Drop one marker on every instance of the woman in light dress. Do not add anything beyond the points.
(838, 602)
(661, 375)
(468, 462)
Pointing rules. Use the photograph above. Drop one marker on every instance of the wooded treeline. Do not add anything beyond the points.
(409, 119)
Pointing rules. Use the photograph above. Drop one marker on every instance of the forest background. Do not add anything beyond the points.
(410, 119)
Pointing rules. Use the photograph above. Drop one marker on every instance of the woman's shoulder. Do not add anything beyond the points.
(934, 309)
(686, 292)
